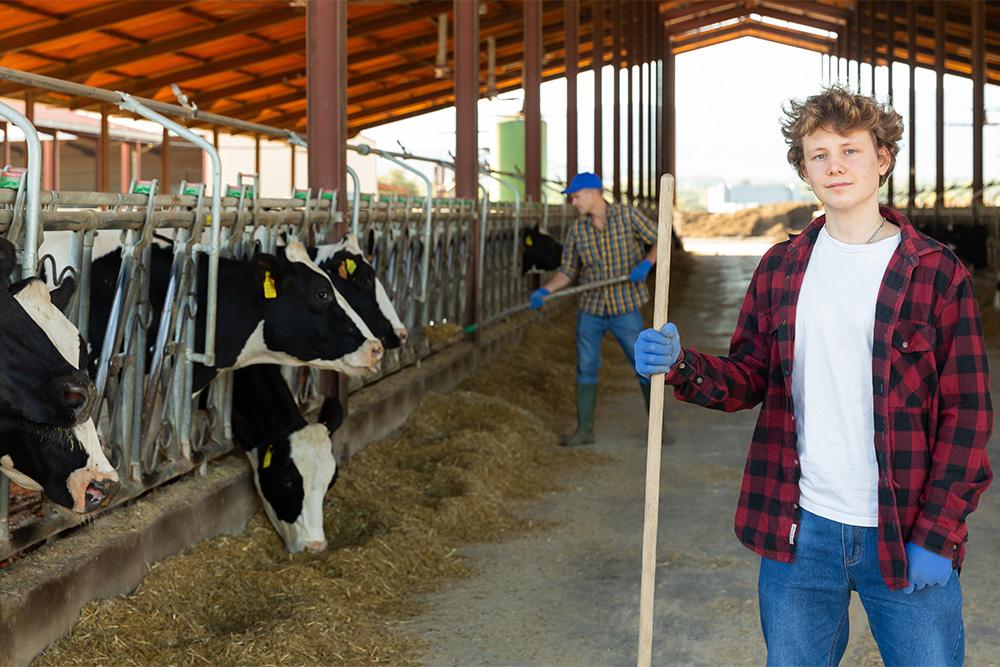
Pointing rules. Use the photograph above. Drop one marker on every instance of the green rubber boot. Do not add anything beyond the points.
(586, 401)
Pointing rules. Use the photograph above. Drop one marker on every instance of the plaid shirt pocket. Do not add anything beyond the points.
(913, 369)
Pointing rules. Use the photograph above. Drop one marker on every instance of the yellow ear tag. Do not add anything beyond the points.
(351, 266)
(267, 458)
(269, 291)
(528, 241)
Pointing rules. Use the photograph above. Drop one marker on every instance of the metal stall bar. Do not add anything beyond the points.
(517, 224)
(29, 256)
(212, 249)
(364, 149)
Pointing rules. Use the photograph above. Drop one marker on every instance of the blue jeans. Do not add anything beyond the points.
(803, 605)
(589, 333)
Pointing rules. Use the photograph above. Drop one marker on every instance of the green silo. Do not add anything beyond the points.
(510, 136)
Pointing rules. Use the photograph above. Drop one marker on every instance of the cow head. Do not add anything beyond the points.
(306, 322)
(354, 278)
(37, 383)
(292, 475)
(67, 463)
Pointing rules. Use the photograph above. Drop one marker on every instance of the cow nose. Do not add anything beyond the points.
(100, 493)
(77, 395)
(316, 546)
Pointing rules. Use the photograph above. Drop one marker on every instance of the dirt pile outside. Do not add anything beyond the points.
(770, 220)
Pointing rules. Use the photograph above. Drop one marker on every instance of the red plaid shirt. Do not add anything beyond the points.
(932, 409)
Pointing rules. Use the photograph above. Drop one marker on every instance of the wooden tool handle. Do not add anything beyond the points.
(655, 429)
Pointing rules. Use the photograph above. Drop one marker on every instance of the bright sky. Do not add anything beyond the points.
(729, 100)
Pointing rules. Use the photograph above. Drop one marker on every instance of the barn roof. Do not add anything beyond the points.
(246, 59)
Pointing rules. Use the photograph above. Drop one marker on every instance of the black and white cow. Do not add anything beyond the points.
(271, 310)
(37, 384)
(293, 479)
(292, 460)
(355, 279)
(540, 251)
(65, 462)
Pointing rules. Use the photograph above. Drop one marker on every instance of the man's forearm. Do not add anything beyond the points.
(558, 282)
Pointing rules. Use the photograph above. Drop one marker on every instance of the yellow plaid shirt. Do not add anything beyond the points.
(600, 255)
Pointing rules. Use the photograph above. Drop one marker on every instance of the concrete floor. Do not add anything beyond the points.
(569, 595)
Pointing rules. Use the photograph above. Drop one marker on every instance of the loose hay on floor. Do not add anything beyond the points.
(394, 521)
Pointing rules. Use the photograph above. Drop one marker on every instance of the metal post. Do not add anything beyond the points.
(911, 48)
(48, 161)
(256, 161)
(871, 41)
(670, 102)
(466, 99)
(640, 42)
(165, 161)
(629, 95)
(531, 79)
(978, 103)
(890, 49)
(597, 63)
(123, 167)
(292, 176)
(572, 22)
(326, 56)
(6, 142)
(651, 11)
(940, 39)
(857, 42)
(104, 153)
(355, 199)
(616, 114)
(659, 72)
(29, 255)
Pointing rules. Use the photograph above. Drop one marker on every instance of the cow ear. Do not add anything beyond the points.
(267, 274)
(61, 295)
(331, 414)
(8, 260)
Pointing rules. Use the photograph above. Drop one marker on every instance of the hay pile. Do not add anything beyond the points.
(394, 521)
(770, 220)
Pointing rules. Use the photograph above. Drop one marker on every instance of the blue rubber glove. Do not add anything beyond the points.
(640, 271)
(656, 351)
(538, 298)
(925, 568)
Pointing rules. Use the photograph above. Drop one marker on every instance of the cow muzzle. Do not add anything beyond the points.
(316, 546)
(92, 489)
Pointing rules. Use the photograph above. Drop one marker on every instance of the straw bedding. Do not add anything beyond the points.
(394, 521)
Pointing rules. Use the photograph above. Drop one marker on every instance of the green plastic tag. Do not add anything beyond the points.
(299, 194)
(10, 179)
(191, 190)
(328, 195)
(142, 187)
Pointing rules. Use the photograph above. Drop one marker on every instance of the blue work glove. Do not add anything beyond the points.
(640, 271)
(925, 568)
(538, 298)
(656, 351)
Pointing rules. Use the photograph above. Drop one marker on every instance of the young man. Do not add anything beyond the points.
(603, 243)
(862, 338)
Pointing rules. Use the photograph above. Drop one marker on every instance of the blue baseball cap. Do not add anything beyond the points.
(583, 180)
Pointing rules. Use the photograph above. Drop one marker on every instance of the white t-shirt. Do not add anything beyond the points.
(832, 378)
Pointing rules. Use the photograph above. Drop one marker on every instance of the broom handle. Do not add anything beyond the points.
(655, 429)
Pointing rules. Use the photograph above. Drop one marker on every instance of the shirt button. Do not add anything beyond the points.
(906, 344)
(698, 380)
(796, 462)
(682, 365)
(795, 506)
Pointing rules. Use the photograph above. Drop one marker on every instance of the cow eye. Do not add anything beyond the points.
(324, 295)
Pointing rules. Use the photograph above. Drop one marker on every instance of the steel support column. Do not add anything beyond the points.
(326, 118)
(655, 105)
(857, 42)
(123, 166)
(940, 38)
(56, 160)
(640, 41)
(629, 107)
(292, 185)
(531, 80)
(616, 114)
(597, 62)
(104, 153)
(572, 24)
(890, 7)
(326, 91)
(48, 161)
(467, 142)
(978, 103)
(256, 161)
(165, 162)
(670, 110)
(911, 48)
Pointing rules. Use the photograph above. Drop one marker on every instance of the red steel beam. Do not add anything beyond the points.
(572, 27)
(532, 80)
(466, 101)
(597, 39)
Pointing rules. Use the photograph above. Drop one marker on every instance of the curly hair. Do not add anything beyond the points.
(841, 111)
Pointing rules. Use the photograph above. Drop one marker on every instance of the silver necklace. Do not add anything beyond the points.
(877, 230)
